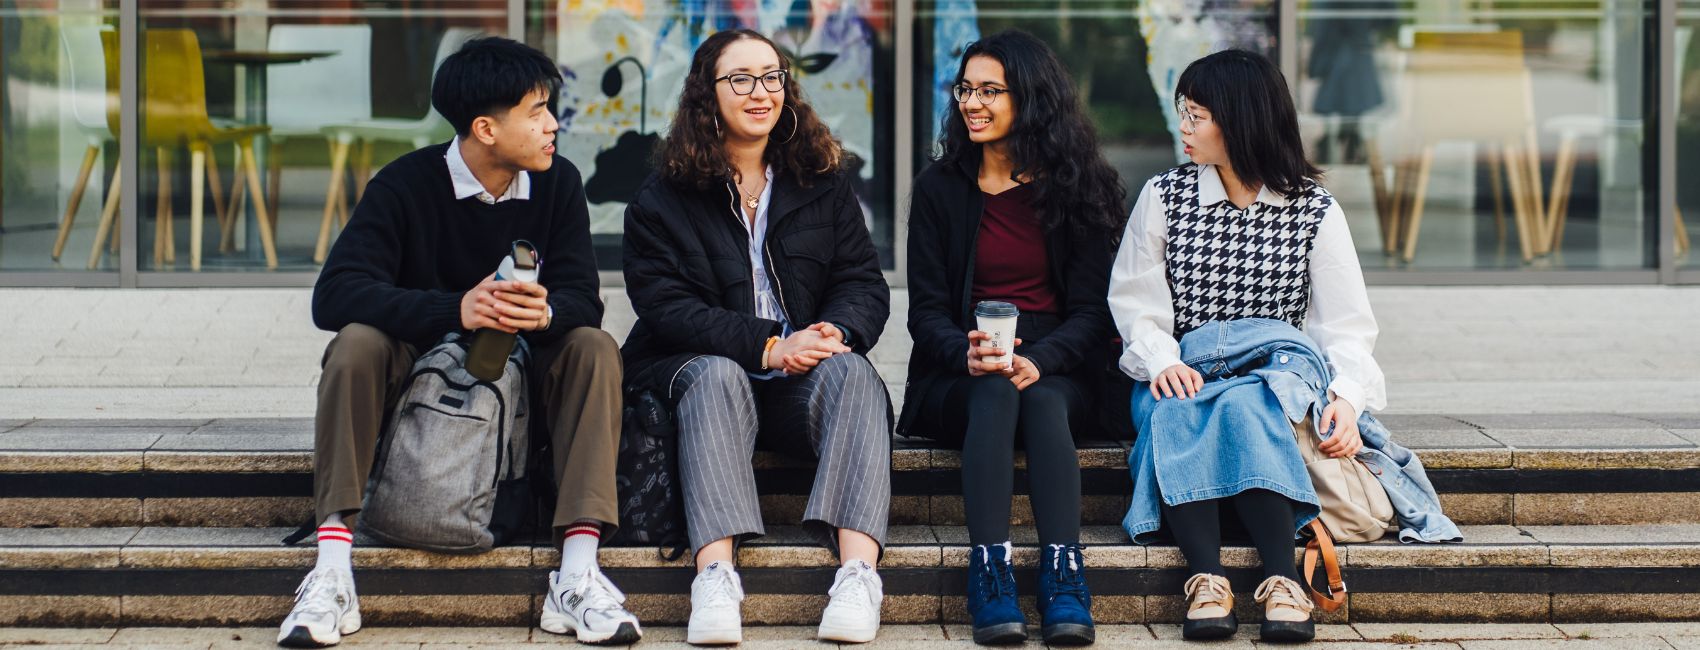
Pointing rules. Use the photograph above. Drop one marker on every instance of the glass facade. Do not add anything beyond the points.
(1516, 140)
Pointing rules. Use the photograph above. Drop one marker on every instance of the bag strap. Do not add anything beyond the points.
(1322, 544)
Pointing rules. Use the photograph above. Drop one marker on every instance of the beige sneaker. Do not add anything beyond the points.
(1286, 611)
(1210, 608)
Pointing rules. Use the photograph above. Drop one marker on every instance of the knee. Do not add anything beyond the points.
(715, 371)
(590, 345)
(1044, 399)
(993, 393)
(358, 347)
(855, 369)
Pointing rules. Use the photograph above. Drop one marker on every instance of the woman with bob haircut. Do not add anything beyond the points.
(758, 291)
(1020, 207)
(1242, 232)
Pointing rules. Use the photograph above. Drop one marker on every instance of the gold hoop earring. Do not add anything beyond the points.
(782, 109)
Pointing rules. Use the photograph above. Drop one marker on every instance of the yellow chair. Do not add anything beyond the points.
(174, 115)
(1469, 86)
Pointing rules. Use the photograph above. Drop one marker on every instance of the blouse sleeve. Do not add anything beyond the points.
(1340, 319)
(1139, 298)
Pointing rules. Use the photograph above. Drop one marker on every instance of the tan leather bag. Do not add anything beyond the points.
(1355, 508)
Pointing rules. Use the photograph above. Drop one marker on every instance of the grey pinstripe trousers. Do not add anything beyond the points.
(838, 413)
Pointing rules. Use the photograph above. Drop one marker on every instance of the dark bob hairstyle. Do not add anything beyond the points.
(1052, 142)
(488, 76)
(1248, 100)
(693, 155)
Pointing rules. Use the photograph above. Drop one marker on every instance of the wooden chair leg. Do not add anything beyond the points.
(170, 212)
(1563, 176)
(75, 201)
(1378, 189)
(1417, 203)
(1397, 202)
(273, 190)
(197, 183)
(1520, 204)
(238, 203)
(333, 194)
(107, 214)
(267, 238)
(363, 171)
(1535, 187)
(159, 206)
(215, 185)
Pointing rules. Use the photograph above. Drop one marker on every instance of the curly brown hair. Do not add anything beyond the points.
(694, 155)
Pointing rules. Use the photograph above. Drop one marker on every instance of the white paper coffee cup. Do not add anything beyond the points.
(998, 320)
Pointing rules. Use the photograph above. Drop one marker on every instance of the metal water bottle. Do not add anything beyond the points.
(487, 358)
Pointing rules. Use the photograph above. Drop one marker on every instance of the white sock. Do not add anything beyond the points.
(578, 551)
(336, 545)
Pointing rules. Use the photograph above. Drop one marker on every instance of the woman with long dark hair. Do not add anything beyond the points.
(758, 291)
(1235, 248)
(1019, 208)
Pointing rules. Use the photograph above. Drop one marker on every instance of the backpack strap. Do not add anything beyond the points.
(1321, 544)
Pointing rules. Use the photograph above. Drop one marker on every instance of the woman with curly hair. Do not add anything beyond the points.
(758, 291)
(1020, 208)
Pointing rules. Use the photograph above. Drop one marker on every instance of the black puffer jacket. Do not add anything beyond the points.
(688, 273)
(944, 226)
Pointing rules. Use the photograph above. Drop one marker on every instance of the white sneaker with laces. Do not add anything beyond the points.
(853, 614)
(325, 610)
(589, 607)
(715, 597)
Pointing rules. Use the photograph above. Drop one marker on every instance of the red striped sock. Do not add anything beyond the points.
(336, 547)
(578, 549)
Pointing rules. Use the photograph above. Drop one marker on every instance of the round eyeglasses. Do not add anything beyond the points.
(744, 84)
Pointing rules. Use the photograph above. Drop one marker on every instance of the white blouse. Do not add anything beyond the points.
(1339, 318)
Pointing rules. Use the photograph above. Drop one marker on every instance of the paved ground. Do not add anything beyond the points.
(1652, 636)
(93, 353)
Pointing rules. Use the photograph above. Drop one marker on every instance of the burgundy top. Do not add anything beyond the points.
(1010, 261)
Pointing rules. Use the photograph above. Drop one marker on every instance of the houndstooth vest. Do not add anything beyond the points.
(1225, 263)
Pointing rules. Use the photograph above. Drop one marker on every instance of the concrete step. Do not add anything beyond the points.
(221, 576)
(1504, 470)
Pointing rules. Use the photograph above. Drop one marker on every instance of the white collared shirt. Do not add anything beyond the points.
(467, 185)
(1339, 318)
(766, 301)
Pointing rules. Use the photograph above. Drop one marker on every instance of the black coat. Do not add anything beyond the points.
(688, 273)
(944, 227)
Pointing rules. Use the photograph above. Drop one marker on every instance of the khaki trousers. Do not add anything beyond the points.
(580, 375)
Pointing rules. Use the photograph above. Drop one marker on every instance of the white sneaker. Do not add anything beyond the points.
(715, 597)
(853, 614)
(588, 606)
(325, 610)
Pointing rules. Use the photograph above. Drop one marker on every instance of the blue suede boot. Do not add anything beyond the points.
(1065, 606)
(991, 596)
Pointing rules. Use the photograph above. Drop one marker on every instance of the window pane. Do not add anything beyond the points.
(307, 83)
(57, 152)
(625, 63)
(1124, 55)
(1475, 135)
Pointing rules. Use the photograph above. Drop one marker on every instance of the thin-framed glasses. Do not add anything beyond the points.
(1188, 119)
(986, 94)
(744, 84)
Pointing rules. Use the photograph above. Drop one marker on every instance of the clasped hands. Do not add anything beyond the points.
(804, 349)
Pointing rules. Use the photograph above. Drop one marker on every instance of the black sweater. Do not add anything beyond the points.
(411, 251)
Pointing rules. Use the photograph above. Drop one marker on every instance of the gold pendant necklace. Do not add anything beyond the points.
(752, 201)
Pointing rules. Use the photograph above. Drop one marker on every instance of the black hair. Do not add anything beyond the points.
(1248, 100)
(489, 75)
(1052, 142)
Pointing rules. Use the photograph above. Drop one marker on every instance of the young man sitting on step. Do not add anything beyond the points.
(414, 264)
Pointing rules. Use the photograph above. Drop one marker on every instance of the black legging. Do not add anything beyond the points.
(982, 415)
(1268, 519)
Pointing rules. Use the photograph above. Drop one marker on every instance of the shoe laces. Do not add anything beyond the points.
(854, 582)
(720, 585)
(996, 577)
(1205, 588)
(598, 593)
(1069, 579)
(318, 593)
(1284, 592)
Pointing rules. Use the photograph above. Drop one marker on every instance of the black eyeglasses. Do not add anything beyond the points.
(744, 84)
(986, 94)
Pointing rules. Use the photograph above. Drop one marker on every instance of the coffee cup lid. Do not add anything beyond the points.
(996, 309)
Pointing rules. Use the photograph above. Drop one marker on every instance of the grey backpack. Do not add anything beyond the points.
(450, 474)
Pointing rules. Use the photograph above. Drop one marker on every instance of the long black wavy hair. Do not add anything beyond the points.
(1052, 143)
(1248, 99)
